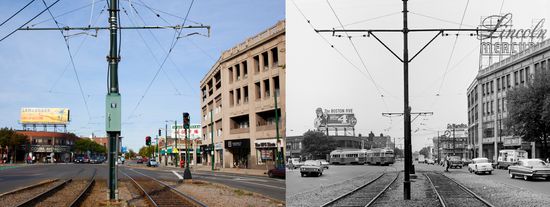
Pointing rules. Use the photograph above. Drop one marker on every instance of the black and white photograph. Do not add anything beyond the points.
(417, 103)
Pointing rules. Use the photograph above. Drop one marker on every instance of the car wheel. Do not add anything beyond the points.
(511, 175)
(490, 172)
(525, 177)
(303, 174)
(460, 167)
(470, 170)
(547, 178)
(270, 174)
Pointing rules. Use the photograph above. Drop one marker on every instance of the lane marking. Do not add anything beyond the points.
(179, 176)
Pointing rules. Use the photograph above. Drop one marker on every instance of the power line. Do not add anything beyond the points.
(440, 19)
(8, 19)
(154, 10)
(29, 21)
(65, 13)
(163, 62)
(359, 56)
(369, 19)
(71, 58)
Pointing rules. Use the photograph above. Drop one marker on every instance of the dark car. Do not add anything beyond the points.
(82, 159)
(311, 167)
(455, 162)
(140, 161)
(277, 172)
(530, 168)
(94, 160)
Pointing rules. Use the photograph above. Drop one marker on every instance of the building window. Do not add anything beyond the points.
(265, 60)
(256, 64)
(245, 69)
(516, 78)
(521, 80)
(258, 91)
(275, 57)
(543, 66)
(492, 87)
(267, 89)
(498, 84)
(238, 71)
(276, 86)
(482, 89)
(245, 94)
(537, 68)
(492, 111)
(231, 98)
(498, 105)
(508, 80)
(238, 95)
(527, 73)
(230, 74)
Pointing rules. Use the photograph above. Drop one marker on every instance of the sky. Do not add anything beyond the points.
(319, 76)
(37, 71)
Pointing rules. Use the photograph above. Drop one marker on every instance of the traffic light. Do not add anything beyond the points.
(186, 120)
(148, 140)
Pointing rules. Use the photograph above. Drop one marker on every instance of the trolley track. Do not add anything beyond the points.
(366, 194)
(159, 193)
(451, 193)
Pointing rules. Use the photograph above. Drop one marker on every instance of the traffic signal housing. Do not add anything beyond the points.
(148, 140)
(186, 120)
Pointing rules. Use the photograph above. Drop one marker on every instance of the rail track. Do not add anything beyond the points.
(366, 194)
(50, 196)
(451, 193)
(160, 194)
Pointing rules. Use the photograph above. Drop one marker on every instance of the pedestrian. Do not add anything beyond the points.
(447, 164)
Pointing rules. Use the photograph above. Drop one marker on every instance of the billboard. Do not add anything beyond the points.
(45, 116)
(334, 118)
(193, 133)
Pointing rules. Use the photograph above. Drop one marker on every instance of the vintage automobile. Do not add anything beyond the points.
(152, 163)
(509, 157)
(455, 162)
(430, 162)
(480, 165)
(277, 172)
(311, 167)
(466, 161)
(530, 168)
(324, 163)
(294, 163)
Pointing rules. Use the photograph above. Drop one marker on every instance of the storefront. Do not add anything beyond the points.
(265, 151)
(239, 150)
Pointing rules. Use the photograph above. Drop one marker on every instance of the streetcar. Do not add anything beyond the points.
(348, 156)
(378, 156)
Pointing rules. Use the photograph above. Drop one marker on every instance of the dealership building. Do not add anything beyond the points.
(487, 104)
(241, 96)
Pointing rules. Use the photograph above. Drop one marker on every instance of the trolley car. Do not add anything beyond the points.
(348, 156)
(379, 156)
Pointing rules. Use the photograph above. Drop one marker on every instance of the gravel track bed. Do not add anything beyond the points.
(327, 193)
(162, 195)
(364, 195)
(213, 195)
(422, 194)
(16, 198)
(500, 194)
(65, 195)
(452, 193)
(99, 193)
(130, 193)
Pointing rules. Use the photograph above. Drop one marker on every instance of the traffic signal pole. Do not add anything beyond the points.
(406, 108)
(186, 123)
(212, 138)
(176, 139)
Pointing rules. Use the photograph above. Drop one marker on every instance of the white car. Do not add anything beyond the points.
(480, 165)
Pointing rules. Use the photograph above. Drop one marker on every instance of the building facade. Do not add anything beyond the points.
(47, 145)
(242, 96)
(487, 105)
(452, 142)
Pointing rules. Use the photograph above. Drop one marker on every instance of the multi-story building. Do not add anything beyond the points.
(241, 97)
(47, 145)
(487, 105)
(451, 142)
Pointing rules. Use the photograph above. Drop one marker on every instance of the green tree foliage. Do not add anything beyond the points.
(529, 110)
(316, 145)
(11, 140)
(398, 152)
(83, 145)
(146, 151)
(425, 151)
(131, 154)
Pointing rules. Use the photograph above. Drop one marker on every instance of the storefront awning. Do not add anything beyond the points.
(265, 143)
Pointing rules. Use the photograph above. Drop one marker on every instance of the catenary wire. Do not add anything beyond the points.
(71, 58)
(11, 33)
(8, 19)
(163, 62)
(63, 14)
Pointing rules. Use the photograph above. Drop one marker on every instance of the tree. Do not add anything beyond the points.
(398, 152)
(84, 145)
(12, 140)
(317, 145)
(425, 151)
(147, 151)
(529, 110)
(131, 154)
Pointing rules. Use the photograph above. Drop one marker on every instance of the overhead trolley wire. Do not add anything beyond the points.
(11, 33)
(71, 58)
(63, 14)
(8, 19)
(163, 62)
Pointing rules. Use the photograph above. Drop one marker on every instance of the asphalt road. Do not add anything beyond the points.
(271, 187)
(335, 174)
(500, 176)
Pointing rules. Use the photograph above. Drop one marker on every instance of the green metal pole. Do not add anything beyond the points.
(212, 138)
(113, 108)
(166, 145)
(176, 138)
(186, 149)
(277, 154)
(157, 149)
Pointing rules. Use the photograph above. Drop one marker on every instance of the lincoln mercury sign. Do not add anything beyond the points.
(334, 118)
(44, 116)
(505, 40)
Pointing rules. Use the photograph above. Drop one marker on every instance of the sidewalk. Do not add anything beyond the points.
(206, 168)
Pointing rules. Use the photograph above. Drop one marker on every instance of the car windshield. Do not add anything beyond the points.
(454, 158)
(312, 163)
(535, 163)
(482, 160)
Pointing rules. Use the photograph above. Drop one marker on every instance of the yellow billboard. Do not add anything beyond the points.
(44, 115)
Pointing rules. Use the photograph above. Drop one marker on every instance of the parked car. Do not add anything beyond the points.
(508, 157)
(530, 168)
(324, 164)
(82, 159)
(294, 163)
(430, 162)
(277, 172)
(311, 167)
(140, 161)
(480, 165)
(94, 160)
(152, 163)
(466, 161)
(455, 162)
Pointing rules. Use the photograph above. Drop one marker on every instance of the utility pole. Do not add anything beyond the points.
(176, 140)
(454, 140)
(166, 143)
(113, 99)
(406, 108)
(212, 138)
